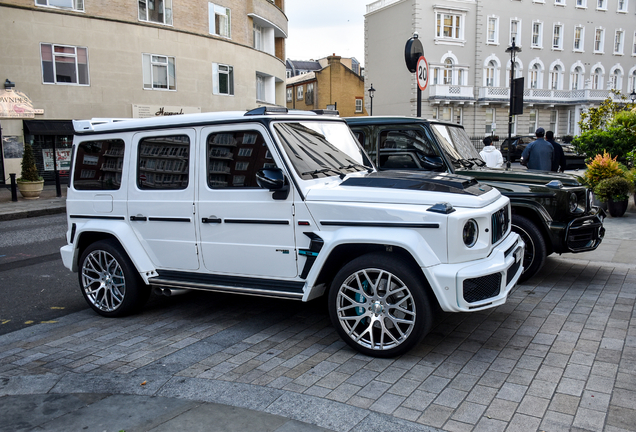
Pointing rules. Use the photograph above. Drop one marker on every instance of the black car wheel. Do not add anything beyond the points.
(379, 306)
(535, 252)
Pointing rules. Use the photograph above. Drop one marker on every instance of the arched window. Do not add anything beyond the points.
(491, 70)
(616, 80)
(632, 81)
(534, 76)
(556, 78)
(597, 79)
(448, 71)
(577, 78)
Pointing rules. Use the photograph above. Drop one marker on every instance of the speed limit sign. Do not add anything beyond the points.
(422, 73)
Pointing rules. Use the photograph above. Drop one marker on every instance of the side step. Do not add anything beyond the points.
(229, 284)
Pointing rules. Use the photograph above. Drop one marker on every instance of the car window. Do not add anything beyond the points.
(98, 165)
(163, 162)
(402, 148)
(235, 157)
(455, 142)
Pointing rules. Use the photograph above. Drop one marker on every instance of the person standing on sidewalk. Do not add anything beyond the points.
(491, 155)
(539, 153)
(558, 160)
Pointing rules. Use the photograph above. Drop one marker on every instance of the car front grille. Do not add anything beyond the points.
(500, 223)
(512, 271)
(482, 288)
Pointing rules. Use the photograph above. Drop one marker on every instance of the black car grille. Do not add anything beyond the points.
(481, 288)
(500, 222)
(512, 271)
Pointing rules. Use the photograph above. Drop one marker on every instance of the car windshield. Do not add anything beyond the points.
(457, 145)
(321, 149)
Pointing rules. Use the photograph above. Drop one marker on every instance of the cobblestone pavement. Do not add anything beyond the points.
(560, 355)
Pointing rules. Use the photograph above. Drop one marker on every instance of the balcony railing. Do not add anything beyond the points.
(445, 91)
(502, 94)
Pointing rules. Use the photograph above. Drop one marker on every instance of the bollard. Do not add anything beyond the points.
(14, 188)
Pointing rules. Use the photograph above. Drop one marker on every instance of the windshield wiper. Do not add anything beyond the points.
(314, 173)
(478, 162)
(356, 165)
(463, 162)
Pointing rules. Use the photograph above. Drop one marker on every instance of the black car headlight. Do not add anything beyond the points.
(470, 233)
(573, 202)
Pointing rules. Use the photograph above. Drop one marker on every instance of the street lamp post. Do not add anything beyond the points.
(371, 94)
(513, 50)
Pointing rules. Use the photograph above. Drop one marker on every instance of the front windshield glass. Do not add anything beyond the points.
(457, 145)
(321, 149)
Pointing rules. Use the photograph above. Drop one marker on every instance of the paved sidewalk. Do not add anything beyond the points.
(559, 355)
(48, 203)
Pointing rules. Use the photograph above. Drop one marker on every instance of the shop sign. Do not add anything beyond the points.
(63, 158)
(146, 111)
(15, 104)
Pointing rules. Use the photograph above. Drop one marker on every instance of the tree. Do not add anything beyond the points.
(597, 118)
(29, 170)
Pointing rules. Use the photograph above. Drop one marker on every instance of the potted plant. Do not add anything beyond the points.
(30, 184)
(600, 168)
(615, 191)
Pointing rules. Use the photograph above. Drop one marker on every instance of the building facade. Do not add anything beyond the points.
(572, 53)
(77, 59)
(332, 85)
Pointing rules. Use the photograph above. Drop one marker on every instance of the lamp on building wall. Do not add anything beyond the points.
(8, 85)
(371, 94)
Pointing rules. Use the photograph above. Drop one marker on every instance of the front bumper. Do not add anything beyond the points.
(585, 233)
(479, 284)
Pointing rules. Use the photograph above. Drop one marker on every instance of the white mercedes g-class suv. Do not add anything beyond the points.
(281, 204)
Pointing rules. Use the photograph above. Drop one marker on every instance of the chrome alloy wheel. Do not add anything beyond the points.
(103, 281)
(376, 309)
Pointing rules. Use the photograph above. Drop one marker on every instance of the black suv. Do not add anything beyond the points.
(551, 211)
(519, 143)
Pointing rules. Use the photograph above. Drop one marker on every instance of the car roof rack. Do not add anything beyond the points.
(267, 110)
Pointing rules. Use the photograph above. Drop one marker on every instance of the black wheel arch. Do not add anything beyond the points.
(532, 213)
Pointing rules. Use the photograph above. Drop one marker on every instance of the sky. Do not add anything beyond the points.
(320, 28)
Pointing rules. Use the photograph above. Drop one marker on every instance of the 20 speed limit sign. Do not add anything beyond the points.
(422, 73)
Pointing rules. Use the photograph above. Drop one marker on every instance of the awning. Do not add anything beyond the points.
(48, 127)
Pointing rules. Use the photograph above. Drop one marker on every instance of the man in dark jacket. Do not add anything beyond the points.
(558, 161)
(539, 153)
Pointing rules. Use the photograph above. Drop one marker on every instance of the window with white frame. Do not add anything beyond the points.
(577, 78)
(260, 87)
(493, 30)
(491, 73)
(258, 37)
(300, 92)
(599, 39)
(622, 6)
(64, 64)
(557, 37)
(554, 121)
(449, 25)
(490, 120)
(448, 71)
(461, 76)
(537, 34)
(597, 79)
(159, 72)
(571, 118)
(534, 76)
(515, 31)
(579, 34)
(458, 114)
(309, 94)
(156, 11)
(634, 45)
(223, 79)
(76, 5)
(581, 3)
(616, 80)
(619, 36)
(556, 78)
(220, 22)
(559, 2)
(290, 94)
(534, 118)
(358, 105)
(601, 4)
(632, 82)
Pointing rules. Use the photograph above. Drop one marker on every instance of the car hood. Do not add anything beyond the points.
(407, 187)
(520, 176)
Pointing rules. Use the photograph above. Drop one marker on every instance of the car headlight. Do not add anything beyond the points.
(471, 233)
(573, 202)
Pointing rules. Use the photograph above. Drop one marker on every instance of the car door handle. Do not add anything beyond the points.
(211, 219)
(138, 218)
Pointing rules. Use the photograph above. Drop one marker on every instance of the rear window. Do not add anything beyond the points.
(98, 165)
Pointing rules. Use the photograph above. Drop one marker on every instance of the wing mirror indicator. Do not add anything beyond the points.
(273, 179)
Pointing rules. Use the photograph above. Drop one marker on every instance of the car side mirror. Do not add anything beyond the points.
(273, 179)
(432, 163)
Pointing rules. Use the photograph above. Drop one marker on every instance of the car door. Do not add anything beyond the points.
(161, 198)
(244, 230)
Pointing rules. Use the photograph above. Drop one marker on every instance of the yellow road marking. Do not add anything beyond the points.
(57, 307)
(48, 322)
(4, 321)
(28, 322)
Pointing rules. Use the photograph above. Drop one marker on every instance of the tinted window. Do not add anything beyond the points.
(404, 149)
(98, 165)
(163, 162)
(235, 157)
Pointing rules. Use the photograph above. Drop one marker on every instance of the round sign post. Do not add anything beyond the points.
(422, 73)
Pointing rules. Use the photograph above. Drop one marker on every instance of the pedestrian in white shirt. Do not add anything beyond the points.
(491, 155)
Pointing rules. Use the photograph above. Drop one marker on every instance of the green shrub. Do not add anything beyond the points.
(29, 170)
(614, 189)
(614, 140)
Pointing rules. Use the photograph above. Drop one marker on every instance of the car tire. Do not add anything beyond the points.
(109, 281)
(535, 251)
(373, 320)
